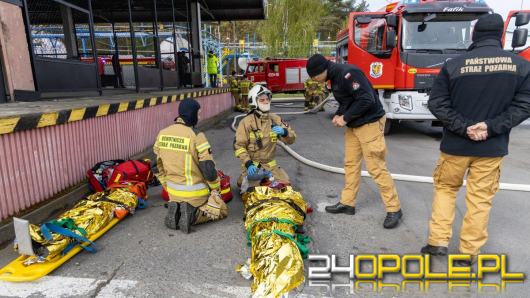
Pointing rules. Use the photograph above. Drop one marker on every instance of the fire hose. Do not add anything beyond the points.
(337, 170)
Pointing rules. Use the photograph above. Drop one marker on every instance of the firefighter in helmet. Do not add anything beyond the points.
(314, 93)
(244, 86)
(256, 137)
(187, 171)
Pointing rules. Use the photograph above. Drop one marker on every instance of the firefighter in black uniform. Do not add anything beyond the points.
(361, 111)
(479, 97)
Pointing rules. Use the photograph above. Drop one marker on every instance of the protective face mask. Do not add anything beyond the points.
(264, 107)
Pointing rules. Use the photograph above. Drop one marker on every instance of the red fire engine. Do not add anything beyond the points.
(402, 47)
(279, 75)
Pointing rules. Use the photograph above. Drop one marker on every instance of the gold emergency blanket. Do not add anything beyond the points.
(272, 216)
(88, 215)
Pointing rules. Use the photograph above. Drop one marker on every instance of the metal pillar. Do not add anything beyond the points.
(174, 41)
(158, 55)
(195, 11)
(3, 94)
(69, 31)
(115, 40)
(31, 48)
(133, 46)
(94, 48)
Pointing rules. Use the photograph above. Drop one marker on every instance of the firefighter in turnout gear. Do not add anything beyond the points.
(234, 89)
(187, 171)
(256, 137)
(315, 93)
(244, 86)
(479, 97)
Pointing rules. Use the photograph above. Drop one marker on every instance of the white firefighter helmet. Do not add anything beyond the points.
(253, 96)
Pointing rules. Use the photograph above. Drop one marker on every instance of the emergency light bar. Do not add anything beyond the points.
(450, 1)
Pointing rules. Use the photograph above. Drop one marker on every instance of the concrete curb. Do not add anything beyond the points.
(60, 204)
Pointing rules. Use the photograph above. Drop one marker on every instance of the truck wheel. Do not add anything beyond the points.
(388, 126)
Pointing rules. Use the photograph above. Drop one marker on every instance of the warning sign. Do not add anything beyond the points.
(174, 143)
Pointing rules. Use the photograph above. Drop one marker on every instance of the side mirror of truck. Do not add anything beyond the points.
(390, 39)
(522, 19)
(519, 37)
(364, 20)
(391, 20)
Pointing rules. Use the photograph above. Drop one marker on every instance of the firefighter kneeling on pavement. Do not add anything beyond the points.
(256, 137)
(187, 171)
(314, 93)
(479, 97)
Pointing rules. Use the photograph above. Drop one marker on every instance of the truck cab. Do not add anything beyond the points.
(255, 72)
(402, 47)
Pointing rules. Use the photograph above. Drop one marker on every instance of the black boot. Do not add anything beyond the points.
(434, 250)
(173, 215)
(187, 212)
(340, 208)
(392, 219)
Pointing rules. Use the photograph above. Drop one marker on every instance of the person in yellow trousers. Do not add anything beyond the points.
(360, 110)
(244, 87)
(212, 63)
(187, 171)
(478, 105)
(256, 138)
(234, 89)
(314, 93)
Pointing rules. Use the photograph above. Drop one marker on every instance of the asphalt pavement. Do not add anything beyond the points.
(140, 257)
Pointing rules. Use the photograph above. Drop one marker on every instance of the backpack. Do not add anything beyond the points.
(137, 188)
(226, 191)
(132, 171)
(98, 176)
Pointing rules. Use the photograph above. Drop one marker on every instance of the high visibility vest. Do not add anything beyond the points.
(212, 64)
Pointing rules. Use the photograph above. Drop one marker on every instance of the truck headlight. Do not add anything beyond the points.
(405, 101)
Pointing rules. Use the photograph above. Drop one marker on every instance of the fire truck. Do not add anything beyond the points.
(402, 47)
(278, 75)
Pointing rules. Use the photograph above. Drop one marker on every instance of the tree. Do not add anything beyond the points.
(291, 26)
(336, 15)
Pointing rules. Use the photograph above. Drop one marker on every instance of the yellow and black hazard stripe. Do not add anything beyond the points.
(38, 120)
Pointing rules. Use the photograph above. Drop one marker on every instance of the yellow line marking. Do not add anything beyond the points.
(139, 104)
(103, 110)
(152, 102)
(8, 125)
(123, 107)
(383, 86)
(48, 119)
(77, 114)
(164, 99)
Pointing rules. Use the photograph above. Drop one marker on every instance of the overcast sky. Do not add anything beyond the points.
(499, 6)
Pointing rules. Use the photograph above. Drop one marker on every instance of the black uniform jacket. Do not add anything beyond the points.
(485, 84)
(358, 101)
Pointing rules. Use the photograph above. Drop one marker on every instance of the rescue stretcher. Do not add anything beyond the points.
(43, 248)
(16, 271)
